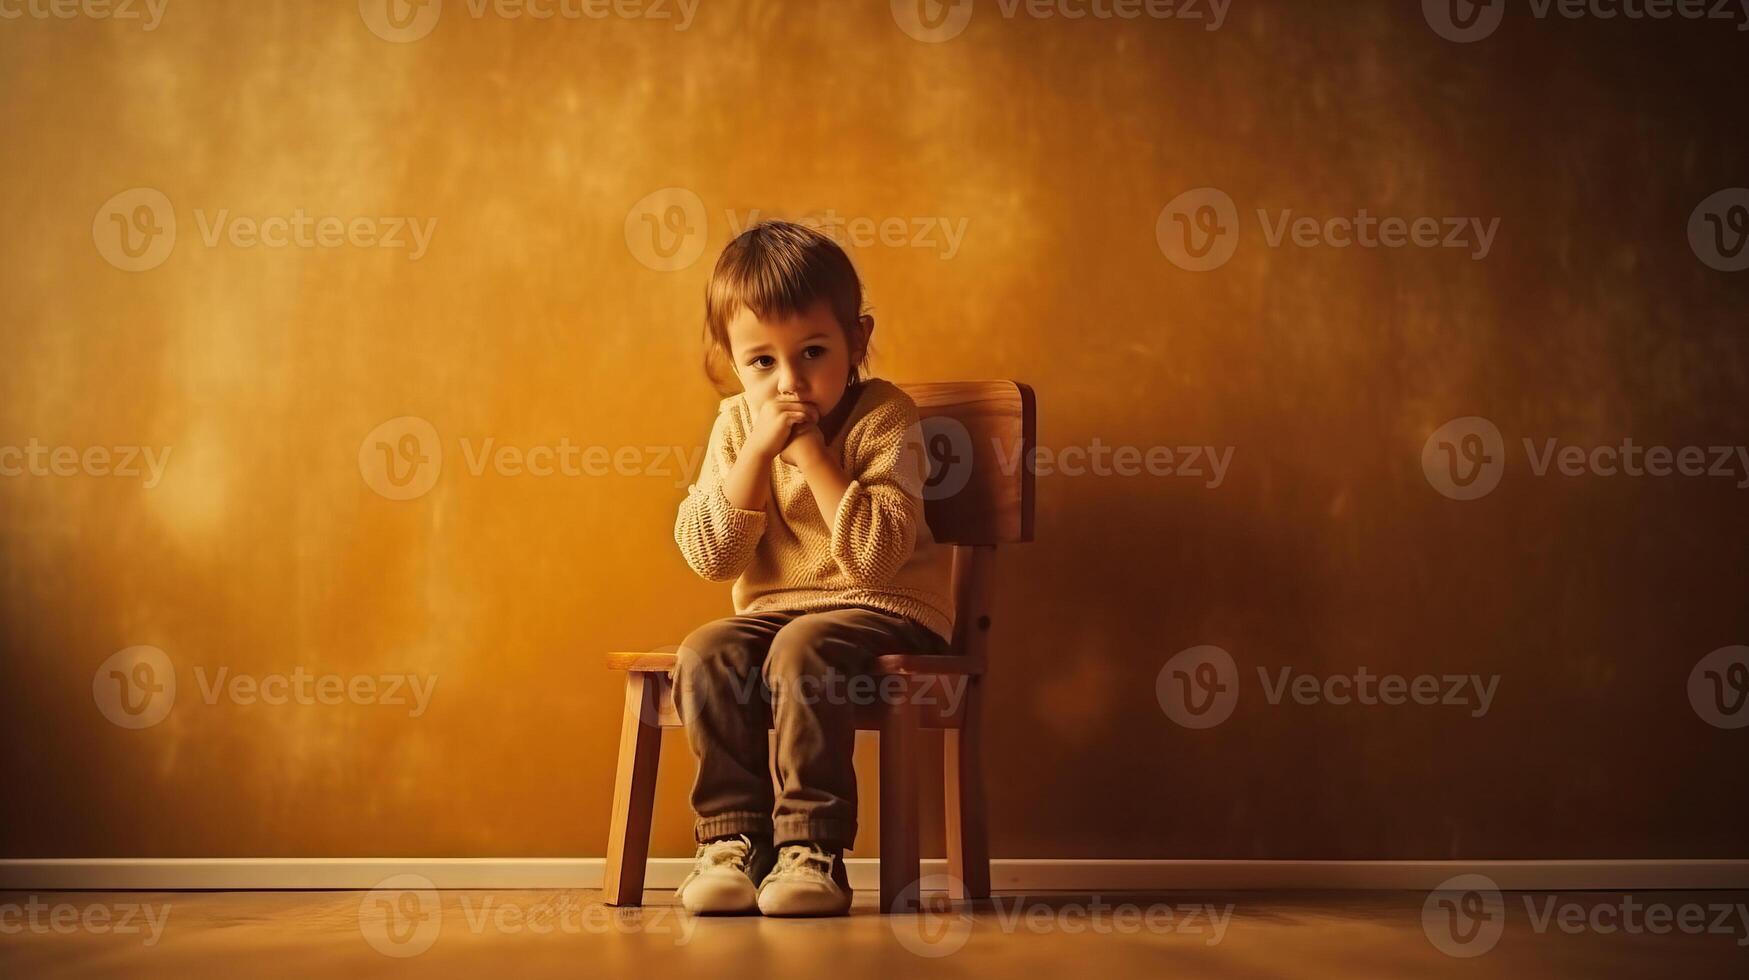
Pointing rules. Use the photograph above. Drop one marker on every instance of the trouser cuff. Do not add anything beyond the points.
(839, 833)
(748, 822)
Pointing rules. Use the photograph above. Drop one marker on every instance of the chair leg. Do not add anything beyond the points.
(968, 843)
(634, 791)
(901, 863)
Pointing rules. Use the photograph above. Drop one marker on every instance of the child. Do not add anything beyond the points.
(810, 498)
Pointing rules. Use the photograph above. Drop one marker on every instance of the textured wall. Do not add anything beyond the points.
(1029, 159)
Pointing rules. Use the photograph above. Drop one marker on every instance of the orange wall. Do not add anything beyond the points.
(537, 314)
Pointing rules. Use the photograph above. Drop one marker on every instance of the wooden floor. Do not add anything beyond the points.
(514, 934)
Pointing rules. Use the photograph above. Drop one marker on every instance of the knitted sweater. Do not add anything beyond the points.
(876, 550)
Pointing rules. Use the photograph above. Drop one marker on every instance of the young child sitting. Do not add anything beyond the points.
(810, 499)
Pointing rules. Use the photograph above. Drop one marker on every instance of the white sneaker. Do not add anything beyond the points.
(721, 881)
(807, 880)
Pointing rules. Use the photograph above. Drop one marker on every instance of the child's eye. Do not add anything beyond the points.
(810, 351)
(756, 362)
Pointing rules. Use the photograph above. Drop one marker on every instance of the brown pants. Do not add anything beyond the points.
(804, 674)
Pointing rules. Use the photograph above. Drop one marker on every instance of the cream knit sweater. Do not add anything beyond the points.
(875, 551)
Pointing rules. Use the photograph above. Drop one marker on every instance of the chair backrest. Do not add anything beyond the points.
(979, 437)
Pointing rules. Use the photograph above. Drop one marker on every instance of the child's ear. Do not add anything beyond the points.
(865, 330)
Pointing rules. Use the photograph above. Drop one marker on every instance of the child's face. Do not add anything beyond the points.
(807, 355)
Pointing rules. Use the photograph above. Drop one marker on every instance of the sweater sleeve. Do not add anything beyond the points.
(717, 538)
(875, 528)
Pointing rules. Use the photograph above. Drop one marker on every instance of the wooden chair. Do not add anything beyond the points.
(979, 437)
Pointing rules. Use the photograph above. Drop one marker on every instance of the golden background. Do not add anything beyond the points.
(535, 316)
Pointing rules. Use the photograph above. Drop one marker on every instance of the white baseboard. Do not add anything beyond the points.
(1023, 875)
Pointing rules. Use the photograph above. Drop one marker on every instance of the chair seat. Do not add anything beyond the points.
(902, 664)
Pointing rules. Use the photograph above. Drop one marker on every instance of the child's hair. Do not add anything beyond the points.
(779, 269)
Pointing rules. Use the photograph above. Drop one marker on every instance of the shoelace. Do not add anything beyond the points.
(803, 859)
(732, 851)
